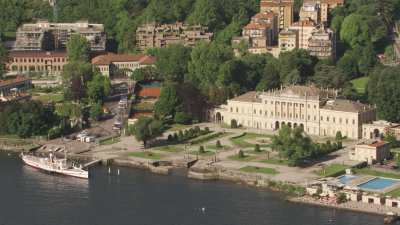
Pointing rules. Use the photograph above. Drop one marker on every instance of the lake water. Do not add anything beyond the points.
(30, 197)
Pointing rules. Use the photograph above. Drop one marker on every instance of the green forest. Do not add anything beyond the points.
(209, 73)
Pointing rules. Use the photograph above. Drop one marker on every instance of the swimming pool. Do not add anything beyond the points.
(378, 183)
(346, 178)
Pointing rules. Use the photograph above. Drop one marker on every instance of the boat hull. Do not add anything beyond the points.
(72, 173)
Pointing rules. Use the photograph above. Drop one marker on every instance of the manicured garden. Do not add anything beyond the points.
(170, 148)
(146, 155)
(243, 140)
(110, 141)
(275, 161)
(332, 170)
(253, 169)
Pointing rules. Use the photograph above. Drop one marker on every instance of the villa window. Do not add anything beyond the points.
(354, 121)
(309, 117)
(255, 112)
(340, 120)
(237, 110)
(308, 105)
(315, 118)
(266, 112)
(266, 102)
(231, 109)
(260, 112)
(327, 118)
(334, 119)
(322, 118)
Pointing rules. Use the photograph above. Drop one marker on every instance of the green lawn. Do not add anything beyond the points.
(275, 161)
(360, 84)
(253, 169)
(170, 148)
(206, 153)
(208, 137)
(178, 127)
(110, 141)
(214, 147)
(395, 193)
(332, 170)
(50, 98)
(143, 106)
(146, 155)
(369, 171)
(245, 159)
(241, 140)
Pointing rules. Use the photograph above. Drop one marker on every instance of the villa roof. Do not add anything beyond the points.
(39, 54)
(346, 106)
(247, 97)
(111, 57)
(256, 26)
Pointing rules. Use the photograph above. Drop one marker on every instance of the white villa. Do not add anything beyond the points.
(318, 111)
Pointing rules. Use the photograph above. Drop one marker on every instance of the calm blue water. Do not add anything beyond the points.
(378, 183)
(346, 178)
(29, 197)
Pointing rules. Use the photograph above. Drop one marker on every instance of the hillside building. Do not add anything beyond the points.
(154, 35)
(43, 62)
(282, 8)
(111, 64)
(44, 35)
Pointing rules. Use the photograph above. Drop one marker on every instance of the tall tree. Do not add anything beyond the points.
(147, 129)
(172, 62)
(169, 102)
(78, 49)
(3, 59)
(384, 91)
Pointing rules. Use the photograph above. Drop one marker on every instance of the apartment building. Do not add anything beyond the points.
(44, 35)
(154, 35)
(282, 8)
(322, 44)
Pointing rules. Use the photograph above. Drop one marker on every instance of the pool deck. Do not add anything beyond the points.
(362, 179)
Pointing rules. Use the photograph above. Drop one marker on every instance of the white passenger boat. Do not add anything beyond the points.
(53, 165)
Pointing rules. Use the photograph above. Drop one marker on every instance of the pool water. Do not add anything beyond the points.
(346, 178)
(378, 183)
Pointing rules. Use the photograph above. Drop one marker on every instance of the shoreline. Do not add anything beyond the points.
(213, 173)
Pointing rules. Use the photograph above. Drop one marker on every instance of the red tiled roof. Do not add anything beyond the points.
(111, 57)
(18, 79)
(256, 26)
(266, 15)
(304, 23)
(378, 144)
(39, 54)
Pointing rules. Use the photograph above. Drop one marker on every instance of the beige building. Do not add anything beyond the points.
(44, 35)
(111, 63)
(322, 44)
(327, 6)
(316, 110)
(43, 62)
(283, 8)
(370, 152)
(310, 11)
(288, 40)
(377, 129)
(154, 35)
(305, 29)
(261, 34)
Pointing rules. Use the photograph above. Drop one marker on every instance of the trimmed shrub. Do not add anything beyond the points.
(257, 148)
(241, 154)
(202, 150)
(218, 144)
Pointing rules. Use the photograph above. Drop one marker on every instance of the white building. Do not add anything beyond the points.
(316, 110)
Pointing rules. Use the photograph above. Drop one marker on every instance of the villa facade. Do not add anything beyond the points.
(318, 111)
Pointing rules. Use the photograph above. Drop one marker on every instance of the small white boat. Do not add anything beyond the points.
(54, 165)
